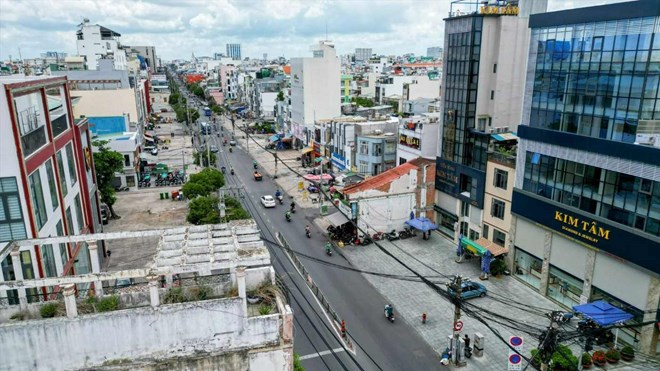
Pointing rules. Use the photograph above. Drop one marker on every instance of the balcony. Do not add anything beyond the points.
(503, 157)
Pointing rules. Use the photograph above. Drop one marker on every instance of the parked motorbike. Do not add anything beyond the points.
(392, 236)
(467, 351)
(377, 236)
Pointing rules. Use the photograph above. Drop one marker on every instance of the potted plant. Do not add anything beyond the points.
(613, 355)
(599, 358)
(627, 353)
(586, 361)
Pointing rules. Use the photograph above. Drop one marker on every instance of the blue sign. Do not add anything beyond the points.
(338, 160)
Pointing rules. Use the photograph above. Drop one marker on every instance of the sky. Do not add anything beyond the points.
(178, 28)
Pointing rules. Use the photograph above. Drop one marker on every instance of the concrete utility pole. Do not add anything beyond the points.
(275, 155)
(458, 289)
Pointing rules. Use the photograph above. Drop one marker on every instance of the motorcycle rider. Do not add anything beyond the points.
(389, 311)
(308, 230)
(328, 248)
(293, 207)
(278, 196)
(288, 216)
(232, 171)
(254, 164)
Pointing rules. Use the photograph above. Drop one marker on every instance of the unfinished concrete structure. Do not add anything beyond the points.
(188, 310)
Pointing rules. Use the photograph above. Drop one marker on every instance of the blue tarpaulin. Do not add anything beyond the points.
(274, 138)
(422, 224)
(602, 313)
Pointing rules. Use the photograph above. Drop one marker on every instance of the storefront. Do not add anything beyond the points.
(527, 268)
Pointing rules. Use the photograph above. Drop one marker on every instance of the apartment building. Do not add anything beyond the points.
(47, 181)
(96, 42)
(418, 137)
(586, 202)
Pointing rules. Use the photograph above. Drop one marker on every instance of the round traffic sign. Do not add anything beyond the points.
(515, 359)
(458, 326)
(515, 341)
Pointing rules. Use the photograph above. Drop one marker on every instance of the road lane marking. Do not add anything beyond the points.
(320, 354)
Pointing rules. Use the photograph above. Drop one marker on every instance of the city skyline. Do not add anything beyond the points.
(277, 28)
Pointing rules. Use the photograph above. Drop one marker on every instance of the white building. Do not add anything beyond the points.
(390, 87)
(363, 54)
(234, 51)
(96, 42)
(422, 86)
(314, 93)
(418, 137)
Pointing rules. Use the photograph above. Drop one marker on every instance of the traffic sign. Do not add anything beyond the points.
(458, 326)
(515, 360)
(516, 342)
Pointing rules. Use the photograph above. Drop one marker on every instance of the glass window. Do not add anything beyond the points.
(500, 178)
(64, 253)
(72, 164)
(79, 213)
(48, 260)
(29, 110)
(54, 200)
(37, 199)
(57, 110)
(61, 174)
(497, 208)
(28, 273)
(484, 231)
(69, 222)
(12, 226)
(563, 287)
(528, 268)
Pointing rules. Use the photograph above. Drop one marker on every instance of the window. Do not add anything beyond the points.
(494, 67)
(37, 196)
(497, 208)
(127, 160)
(72, 164)
(492, 94)
(64, 254)
(31, 122)
(51, 184)
(402, 161)
(378, 149)
(60, 172)
(474, 235)
(390, 147)
(500, 178)
(499, 237)
(79, 214)
(363, 167)
(59, 120)
(48, 259)
(69, 221)
(12, 226)
(364, 148)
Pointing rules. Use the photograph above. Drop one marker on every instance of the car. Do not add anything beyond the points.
(469, 290)
(232, 142)
(214, 148)
(268, 201)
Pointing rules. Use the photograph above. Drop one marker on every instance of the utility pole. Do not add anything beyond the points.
(275, 155)
(458, 325)
(548, 341)
(208, 148)
(247, 135)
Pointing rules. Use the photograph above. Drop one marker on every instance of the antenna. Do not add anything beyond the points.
(326, 30)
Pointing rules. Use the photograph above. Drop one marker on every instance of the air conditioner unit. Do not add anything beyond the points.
(378, 132)
(505, 129)
(491, 131)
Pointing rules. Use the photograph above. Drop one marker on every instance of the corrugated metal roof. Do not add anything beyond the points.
(380, 179)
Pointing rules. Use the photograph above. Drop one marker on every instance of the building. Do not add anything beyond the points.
(363, 54)
(418, 137)
(385, 201)
(47, 181)
(375, 153)
(148, 53)
(424, 86)
(189, 309)
(343, 138)
(234, 51)
(586, 202)
(96, 42)
(482, 93)
(314, 93)
(434, 52)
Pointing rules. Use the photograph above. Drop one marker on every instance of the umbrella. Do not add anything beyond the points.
(485, 262)
(412, 215)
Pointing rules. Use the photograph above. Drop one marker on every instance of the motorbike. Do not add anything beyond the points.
(467, 351)
(224, 169)
(293, 208)
(254, 165)
(366, 240)
(280, 198)
(288, 217)
(390, 315)
(231, 150)
(231, 171)
(392, 236)
(328, 249)
(308, 233)
(377, 236)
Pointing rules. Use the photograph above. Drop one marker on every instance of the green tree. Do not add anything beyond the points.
(204, 158)
(174, 98)
(363, 102)
(280, 96)
(203, 210)
(106, 163)
(234, 210)
(203, 183)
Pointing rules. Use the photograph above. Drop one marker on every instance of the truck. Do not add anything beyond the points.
(207, 111)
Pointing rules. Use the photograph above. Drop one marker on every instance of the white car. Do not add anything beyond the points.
(268, 201)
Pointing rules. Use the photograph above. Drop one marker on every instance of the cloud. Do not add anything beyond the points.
(178, 28)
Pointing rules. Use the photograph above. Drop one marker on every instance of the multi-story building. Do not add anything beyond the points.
(343, 134)
(418, 137)
(149, 55)
(375, 153)
(434, 52)
(314, 93)
(234, 51)
(587, 196)
(47, 181)
(363, 54)
(96, 42)
(482, 90)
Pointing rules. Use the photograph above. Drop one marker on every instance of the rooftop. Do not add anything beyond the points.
(381, 179)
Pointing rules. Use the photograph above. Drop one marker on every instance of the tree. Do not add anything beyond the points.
(234, 210)
(203, 210)
(174, 98)
(363, 102)
(280, 96)
(204, 158)
(106, 163)
(203, 183)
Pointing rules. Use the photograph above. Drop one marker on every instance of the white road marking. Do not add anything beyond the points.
(323, 353)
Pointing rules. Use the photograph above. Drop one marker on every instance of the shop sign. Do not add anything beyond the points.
(338, 160)
(589, 230)
(501, 10)
(408, 141)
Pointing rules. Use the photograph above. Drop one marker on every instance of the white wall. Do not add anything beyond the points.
(175, 330)
(267, 104)
(103, 103)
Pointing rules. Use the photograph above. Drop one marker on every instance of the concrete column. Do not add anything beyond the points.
(240, 276)
(287, 325)
(154, 295)
(589, 267)
(69, 292)
(169, 280)
(93, 248)
(18, 276)
(510, 244)
(649, 336)
(232, 275)
(545, 268)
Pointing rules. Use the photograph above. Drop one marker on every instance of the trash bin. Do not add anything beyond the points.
(161, 196)
(167, 195)
(324, 209)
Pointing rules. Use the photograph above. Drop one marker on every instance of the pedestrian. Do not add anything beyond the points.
(467, 341)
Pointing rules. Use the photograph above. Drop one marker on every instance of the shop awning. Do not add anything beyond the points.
(504, 136)
(274, 138)
(423, 224)
(603, 313)
(337, 219)
(494, 248)
(307, 150)
(318, 159)
(472, 246)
